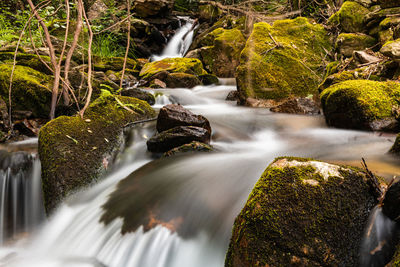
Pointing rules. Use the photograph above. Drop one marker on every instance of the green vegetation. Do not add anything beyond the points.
(350, 17)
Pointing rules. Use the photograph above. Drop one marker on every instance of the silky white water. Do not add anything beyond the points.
(206, 190)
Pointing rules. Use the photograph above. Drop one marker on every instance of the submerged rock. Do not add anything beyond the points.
(174, 115)
(298, 106)
(191, 147)
(75, 151)
(177, 136)
(361, 104)
(302, 213)
(282, 60)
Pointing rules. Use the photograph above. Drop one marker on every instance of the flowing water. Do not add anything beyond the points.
(179, 43)
(205, 191)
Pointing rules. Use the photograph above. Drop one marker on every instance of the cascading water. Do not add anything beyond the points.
(201, 194)
(179, 43)
(21, 207)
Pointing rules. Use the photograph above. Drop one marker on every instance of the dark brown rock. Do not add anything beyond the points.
(148, 8)
(298, 106)
(139, 94)
(391, 203)
(182, 80)
(233, 96)
(173, 115)
(178, 136)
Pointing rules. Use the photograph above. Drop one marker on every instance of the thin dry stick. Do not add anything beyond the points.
(90, 89)
(128, 43)
(53, 59)
(78, 29)
(40, 5)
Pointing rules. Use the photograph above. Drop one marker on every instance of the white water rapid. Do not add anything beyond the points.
(206, 190)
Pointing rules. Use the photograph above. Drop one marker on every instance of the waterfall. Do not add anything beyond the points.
(179, 43)
(21, 207)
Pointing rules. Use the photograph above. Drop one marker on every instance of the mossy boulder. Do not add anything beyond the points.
(31, 89)
(282, 60)
(172, 65)
(350, 17)
(346, 43)
(113, 63)
(302, 212)
(28, 60)
(392, 49)
(222, 56)
(361, 104)
(75, 151)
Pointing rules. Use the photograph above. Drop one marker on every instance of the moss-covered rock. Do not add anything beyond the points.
(113, 63)
(31, 89)
(222, 56)
(392, 49)
(28, 60)
(350, 17)
(172, 65)
(75, 151)
(282, 60)
(389, 3)
(361, 104)
(346, 43)
(302, 213)
(182, 80)
(208, 12)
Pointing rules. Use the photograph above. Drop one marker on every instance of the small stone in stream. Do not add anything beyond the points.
(298, 106)
(174, 115)
(175, 137)
(391, 202)
(192, 147)
(232, 96)
(139, 94)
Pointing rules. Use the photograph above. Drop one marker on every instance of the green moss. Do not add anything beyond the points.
(268, 71)
(27, 60)
(350, 17)
(173, 65)
(209, 12)
(295, 216)
(222, 56)
(73, 152)
(346, 43)
(31, 90)
(114, 63)
(358, 103)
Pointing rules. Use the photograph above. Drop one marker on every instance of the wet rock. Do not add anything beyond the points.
(173, 115)
(391, 202)
(347, 43)
(157, 83)
(187, 148)
(139, 94)
(298, 106)
(177, 136)
(396, 146)
(361, 104)
(209, 79)
(148, 8)
(74, 152)
(302, 213)
(264, 63)
(350, 17)
(233, 96)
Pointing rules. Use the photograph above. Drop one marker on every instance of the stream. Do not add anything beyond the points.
(209, 190)
(206, 191)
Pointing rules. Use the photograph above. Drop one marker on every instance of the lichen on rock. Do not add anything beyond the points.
(282, 60)
(302, 212)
